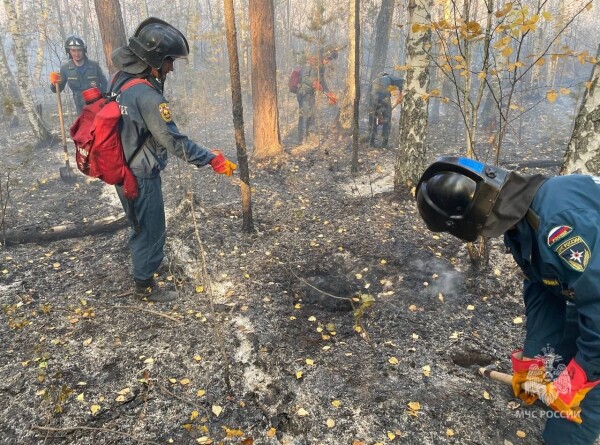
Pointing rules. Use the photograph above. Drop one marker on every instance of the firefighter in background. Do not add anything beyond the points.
(79, 72)
(552, 228)
(380, 105)
(313, 80)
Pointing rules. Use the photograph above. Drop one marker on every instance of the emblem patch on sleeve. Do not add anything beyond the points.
(165, 112)
(575, 252)
(558, 233)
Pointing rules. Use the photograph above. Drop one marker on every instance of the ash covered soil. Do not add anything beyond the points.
(340, 320)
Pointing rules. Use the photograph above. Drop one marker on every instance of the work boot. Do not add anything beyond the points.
(385, 143)
(148, 290)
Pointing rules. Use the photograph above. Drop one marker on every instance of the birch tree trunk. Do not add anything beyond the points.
(40, 131)
(583, 152)
(42, 35)
(412, 157)
(238, 116)
(347, 105)
(264, 80)
(7, 84)
(356, 102)
(112, 29)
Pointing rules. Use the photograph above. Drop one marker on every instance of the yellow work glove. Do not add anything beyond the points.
(532, 370)
(221, 164)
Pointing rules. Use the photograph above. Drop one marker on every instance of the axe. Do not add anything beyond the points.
(535, 388)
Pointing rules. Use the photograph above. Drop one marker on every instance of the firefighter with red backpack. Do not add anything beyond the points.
(148, 135)
(312, 79)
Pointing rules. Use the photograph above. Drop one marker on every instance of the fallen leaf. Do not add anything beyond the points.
(184, 381)
(449, 432)
(299, 374)
(200, 392)
(415, 406)
(310, 361)
(197, 358)
(312, 318)
(336, 403)
(486, 395)
(302, 412)
(426, 370)
(194, 415)
(87, 341)
(216, 409)
(80, 397)
(95, 408)
(393, 360)
(272, 431)
(391, 435)
(521, 434)
(470, 307)
(517, 320)
(330, 423)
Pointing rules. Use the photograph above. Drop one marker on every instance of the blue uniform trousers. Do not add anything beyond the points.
(147, 243)
(559, 431)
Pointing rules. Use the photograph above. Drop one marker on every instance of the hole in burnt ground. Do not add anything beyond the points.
(468, 358)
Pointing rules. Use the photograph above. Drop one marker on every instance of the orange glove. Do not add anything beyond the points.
(55, 77)
(222, 165)
(533, 370)
(568, 390)
(317, 85)
(332, 98)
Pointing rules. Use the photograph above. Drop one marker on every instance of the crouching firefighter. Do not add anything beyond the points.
(552, 228)
(148, 135)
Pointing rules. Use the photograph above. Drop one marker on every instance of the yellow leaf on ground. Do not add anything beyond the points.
(194, 415)
(80, 397)
(426, 370)
(172, 380)
(271, 432)
(517, 320)
(149, 360)
(299, 374)
(391, 435)
(310, 361)
(87, 341)
(521, 434)
(184, 381)
(551, 96)
(197, 358)
(449, 432)
(233, 432)
(95, 408)
(486, 395)
(470, 307)
(330, 423)
(216, 409)
(393, 360)
(336, 403)
(415, 406)
(302, 412)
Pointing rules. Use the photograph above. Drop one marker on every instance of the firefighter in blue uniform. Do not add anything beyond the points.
(79, 72)
(149, 134)
(380, 105)
(552, 227)
(312, 80)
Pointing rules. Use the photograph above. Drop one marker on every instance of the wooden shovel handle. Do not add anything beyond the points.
(538, 389)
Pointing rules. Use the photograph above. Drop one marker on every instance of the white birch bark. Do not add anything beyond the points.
(583, 152)
(412, 157)
(40, 132)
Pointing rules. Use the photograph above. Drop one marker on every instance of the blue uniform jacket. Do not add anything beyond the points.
(81, 78)
(147, 119)
(559, 252)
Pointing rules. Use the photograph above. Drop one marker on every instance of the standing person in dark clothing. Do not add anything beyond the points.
(148, 135)
(312, 80)
(552, 228)
(80, 73)
(380, 109)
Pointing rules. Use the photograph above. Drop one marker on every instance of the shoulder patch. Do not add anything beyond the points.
(575, 252)
(165, 112)
(558, 233)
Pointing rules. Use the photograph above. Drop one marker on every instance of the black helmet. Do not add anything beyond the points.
(154, 40)
(74, 42)
(456, 195)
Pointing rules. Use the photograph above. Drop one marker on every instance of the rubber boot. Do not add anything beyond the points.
(148, 290)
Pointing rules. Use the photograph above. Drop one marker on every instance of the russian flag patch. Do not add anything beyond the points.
(557, 233)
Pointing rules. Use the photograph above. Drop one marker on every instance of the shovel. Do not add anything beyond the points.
(66, 172)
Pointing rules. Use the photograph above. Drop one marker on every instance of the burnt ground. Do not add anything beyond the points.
(340, 320)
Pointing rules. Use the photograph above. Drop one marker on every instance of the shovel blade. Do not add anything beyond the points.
(67, 175)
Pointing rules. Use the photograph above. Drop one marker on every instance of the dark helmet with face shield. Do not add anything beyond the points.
(74, 42)
(457, 195)
(155, 40)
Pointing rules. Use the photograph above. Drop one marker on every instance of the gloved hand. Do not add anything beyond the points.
(332, 98)
(532, 370)
(222, 165)
(55, 77)
(567, 391)
(317, 85)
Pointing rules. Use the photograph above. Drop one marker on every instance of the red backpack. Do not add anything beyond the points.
(294, 80)
(98, 149)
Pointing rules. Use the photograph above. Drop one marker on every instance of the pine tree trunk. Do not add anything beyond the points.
(112, 29)
(238, 115)
(40, 131)
(583, 152)
(356, 101)
(412, 156)
(347, 105)
(382, 38)
(264, 81)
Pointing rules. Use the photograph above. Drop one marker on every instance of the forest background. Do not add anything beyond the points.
(319, 310)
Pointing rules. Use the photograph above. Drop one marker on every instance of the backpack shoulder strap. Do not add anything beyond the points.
(133, 82)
